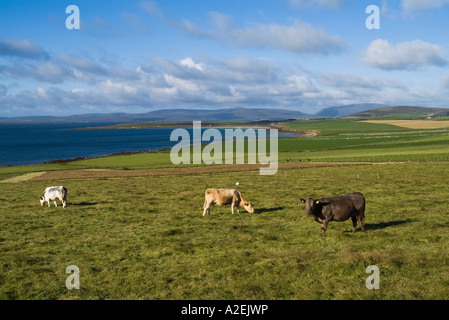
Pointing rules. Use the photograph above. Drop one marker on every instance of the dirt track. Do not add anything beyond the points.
(104, 173)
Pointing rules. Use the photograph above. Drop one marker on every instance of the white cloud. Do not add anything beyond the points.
(81, 64)
(411, 6)
(300, 37)
(22, 49)
(349, 80)
(411, 55)
(60, 68)
(188, 62)
(320, 3)
(151, 7)
(199, 83)
(115, 88)
(44, 71)
(182, 84)
(300, 83)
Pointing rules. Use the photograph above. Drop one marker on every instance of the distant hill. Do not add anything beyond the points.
(341, 111)
(172, 115)
(402, 112)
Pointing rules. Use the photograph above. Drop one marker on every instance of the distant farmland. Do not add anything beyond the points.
(415, 124)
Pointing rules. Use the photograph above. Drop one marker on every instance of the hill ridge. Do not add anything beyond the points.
(402, 112)
(171, 115)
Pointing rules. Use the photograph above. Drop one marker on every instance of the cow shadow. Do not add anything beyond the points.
(267, 210)
(383, 225)
(83, 204)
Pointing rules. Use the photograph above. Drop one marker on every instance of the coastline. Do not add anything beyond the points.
(264, 125)
(218, 126)
(173, 125)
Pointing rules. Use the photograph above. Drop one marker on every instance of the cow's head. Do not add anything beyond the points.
(248, 207)
(312, 206)
(42, 200)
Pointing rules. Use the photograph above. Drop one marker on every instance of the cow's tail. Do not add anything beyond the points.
(363, 214)
(205, 198)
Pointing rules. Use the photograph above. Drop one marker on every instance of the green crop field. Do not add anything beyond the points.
(144, 237)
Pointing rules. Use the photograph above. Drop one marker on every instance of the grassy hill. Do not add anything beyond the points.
(341, 111)
(401, 112)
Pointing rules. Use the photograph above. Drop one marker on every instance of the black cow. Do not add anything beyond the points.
(337, 209)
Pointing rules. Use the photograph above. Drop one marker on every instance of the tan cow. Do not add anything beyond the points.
(223, 197)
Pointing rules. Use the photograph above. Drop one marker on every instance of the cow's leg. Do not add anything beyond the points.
(354, 224)
(323, 229)
(361, 218)
(48, 201)
(324, 225)
(63, 202)
(206, 208)
(55, 203)
(232, 207)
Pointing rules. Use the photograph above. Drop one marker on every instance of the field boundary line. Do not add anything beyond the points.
(93, 174)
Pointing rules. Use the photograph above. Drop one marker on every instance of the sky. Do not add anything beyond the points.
(137, 56)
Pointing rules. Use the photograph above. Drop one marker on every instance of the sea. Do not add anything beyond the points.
(26, 144)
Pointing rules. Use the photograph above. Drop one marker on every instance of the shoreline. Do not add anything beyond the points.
(187, 125)
(280, 128)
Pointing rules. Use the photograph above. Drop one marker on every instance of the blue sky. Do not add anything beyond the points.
(144, 55)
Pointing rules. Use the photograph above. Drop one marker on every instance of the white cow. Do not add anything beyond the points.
(53, 193)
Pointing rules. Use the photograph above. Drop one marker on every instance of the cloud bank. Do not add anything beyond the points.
(300, 37)
(319, 3)
(71, 84)
(411, 6)
(412, 55)
(21, 49)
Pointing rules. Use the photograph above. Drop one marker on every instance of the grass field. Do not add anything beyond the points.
(144, 237)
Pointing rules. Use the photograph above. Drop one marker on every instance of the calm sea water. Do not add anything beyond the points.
(22, 144)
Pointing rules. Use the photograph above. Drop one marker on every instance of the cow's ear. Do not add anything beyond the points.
(302, 200)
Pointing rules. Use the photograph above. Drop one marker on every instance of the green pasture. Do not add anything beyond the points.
(333, 127)
(146, 238)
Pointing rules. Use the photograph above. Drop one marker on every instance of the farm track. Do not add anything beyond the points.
(113, 173)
